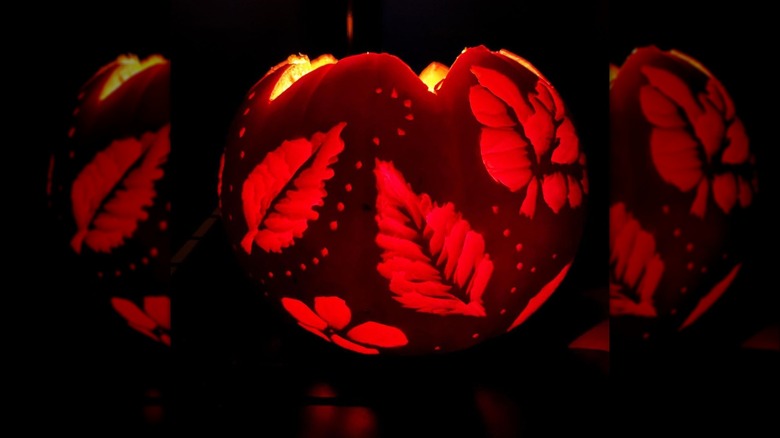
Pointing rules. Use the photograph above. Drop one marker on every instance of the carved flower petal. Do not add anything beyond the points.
(333, 310)
(378, 335)
(724, 189)
(738, 150)
(349, 345)
(303, 313)
(554, 191)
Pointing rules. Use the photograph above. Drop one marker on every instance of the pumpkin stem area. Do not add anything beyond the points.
(127, 66)
(298, 66)
(433, 74)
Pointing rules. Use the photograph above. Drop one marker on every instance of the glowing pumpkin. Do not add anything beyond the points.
(403, 214)
(108, 186)
(683, 182)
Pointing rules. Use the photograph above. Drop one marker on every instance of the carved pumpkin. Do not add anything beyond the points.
(388, 212)
(683, 182)
(108, 186)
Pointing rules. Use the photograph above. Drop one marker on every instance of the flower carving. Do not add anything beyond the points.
(331, 316)
(697, 141)
(528, 141)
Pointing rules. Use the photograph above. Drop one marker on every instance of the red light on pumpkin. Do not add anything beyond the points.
(111, 168)
(430, 268)
(684, 183)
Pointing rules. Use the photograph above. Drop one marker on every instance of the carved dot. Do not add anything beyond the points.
(246, 111)
(375, 140)
(677, 232)
(288, 273)
(533, 268)
(690, 266)
(340, 206)
(519, 266)
(359, 165)
(689, 247)
(436, 348)
(303, 267)
(230, 216)
(409, 117)
(408, 103)
(495, 209)
(334, 226)
(519, 247)
(378, 90)
(506, 232)
(163, 225)
(348, 187)
(241, 133)
(153, 252)
(144, 261)
(324, 252)
(230, 188)
(132, 266)
(401, 132)
(513, 290)
(502, 311)
(315, 260)
(71, 132)
(270, 275)
(554, 256)
(251, 95)
(241, 155)
(665, 209)
(475, 336)
(394, 94)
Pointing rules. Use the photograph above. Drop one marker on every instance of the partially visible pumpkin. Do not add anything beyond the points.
(388, 212)
(682, 190)
(107, 182)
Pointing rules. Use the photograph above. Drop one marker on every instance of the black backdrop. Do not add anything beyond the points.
(707, 381)
(232, 357)
(82, 368)
(243, 357)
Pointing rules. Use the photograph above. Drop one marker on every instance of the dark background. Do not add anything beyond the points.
(240, 363)
(706, 379)
(235, 362)
(81, 368)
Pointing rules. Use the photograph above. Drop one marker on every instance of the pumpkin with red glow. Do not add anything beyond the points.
(683, 185)
(393, 213)
(107, 182)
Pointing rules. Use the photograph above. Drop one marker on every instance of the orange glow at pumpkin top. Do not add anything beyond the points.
(127, 66)
(298, 66)
(613, 72)
(433, 75)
